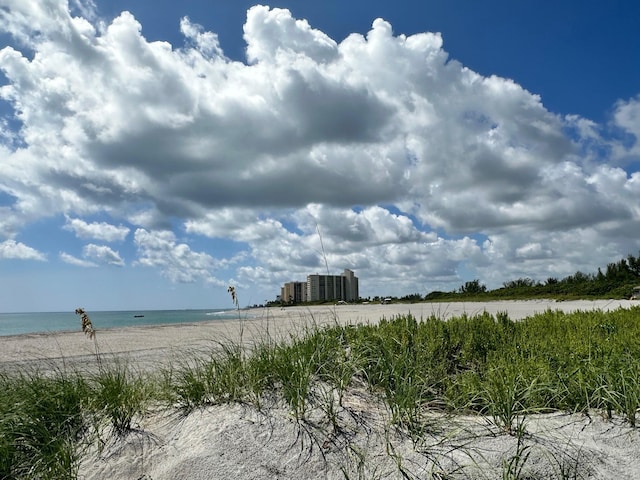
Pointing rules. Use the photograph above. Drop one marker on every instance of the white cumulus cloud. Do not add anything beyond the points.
(161, 250)
(78, 262)
(97, 230)
(415, 167)
(102, 254)
(10, 249)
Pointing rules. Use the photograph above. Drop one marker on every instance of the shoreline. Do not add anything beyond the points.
(158, 342)
(51, 323)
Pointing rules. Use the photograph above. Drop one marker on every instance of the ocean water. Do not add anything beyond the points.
(21, 323)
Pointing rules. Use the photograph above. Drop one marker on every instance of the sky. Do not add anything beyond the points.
(154, 152)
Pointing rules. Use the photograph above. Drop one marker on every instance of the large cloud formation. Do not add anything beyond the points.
(411, 166)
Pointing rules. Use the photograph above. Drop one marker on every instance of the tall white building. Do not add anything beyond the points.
(352, 292)
(333, 287)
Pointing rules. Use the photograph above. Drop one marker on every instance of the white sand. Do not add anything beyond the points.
(152, 344)
(238, 442)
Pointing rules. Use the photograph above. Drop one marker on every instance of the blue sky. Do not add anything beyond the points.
(154, 152)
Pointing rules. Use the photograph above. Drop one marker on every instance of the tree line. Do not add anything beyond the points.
(616, 281)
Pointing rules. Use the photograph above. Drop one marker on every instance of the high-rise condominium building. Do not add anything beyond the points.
(294, 292)
(333, 287)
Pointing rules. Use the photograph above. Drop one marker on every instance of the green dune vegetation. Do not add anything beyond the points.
(483, 365)
(617, 281)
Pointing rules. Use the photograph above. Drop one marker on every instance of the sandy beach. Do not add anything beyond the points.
(238, 441)
(151, 345)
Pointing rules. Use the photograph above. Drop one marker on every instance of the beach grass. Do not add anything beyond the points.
(481, 365)
(42, 421)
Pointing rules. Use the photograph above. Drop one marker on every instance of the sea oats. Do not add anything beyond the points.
(87, 326)
(234, 297)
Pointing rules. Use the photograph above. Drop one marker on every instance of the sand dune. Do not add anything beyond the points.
(238, 441)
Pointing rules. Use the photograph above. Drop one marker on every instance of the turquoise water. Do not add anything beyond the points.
(21, 323)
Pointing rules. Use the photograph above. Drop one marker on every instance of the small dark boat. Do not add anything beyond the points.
(138, 316)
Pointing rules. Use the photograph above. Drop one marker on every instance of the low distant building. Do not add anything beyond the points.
(294, 292)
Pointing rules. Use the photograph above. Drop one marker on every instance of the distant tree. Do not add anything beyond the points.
(552, 281)
(626, 270)
(634, 265)
(578, 277)
(473, 287)
(437, 294)
(520, 282)
(413, 297)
